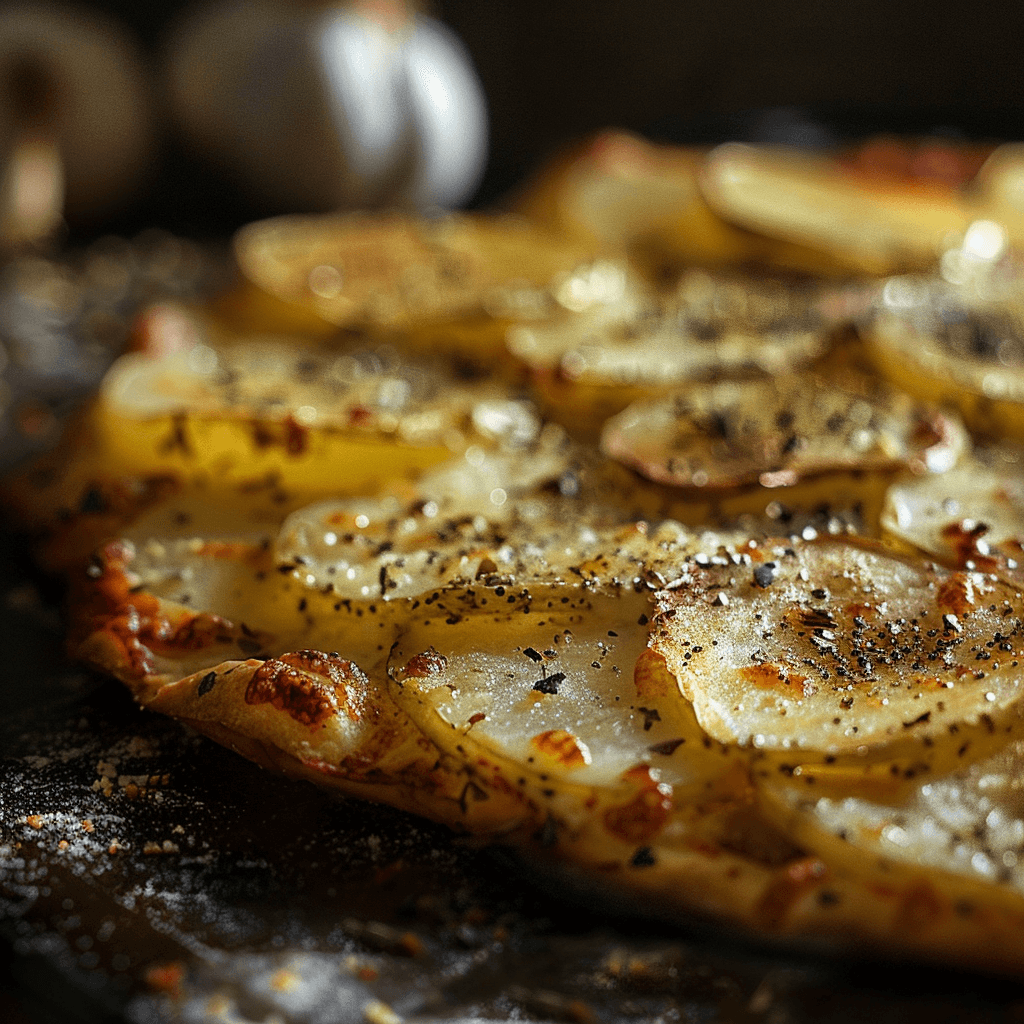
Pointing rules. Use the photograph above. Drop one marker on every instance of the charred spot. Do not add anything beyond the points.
(817, 618)
(206, 684)
(643, 858)
(651, 715)
(305, 685)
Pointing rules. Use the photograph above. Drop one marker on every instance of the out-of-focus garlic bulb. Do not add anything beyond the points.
(339, 107)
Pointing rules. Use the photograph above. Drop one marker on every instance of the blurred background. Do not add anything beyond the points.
(798, 71)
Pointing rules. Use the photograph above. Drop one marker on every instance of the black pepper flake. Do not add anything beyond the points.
(667, 748)
(764, 575)
(643, 858)
(920, 720)
(533, 654)
(92, 502)
(650, 717)
(206, 684)
(549, 684)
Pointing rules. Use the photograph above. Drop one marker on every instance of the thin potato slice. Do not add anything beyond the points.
(537, 698)
(971, 517)
(246, 410)
(800, 439)
(836, 646)
(613, 342)
(810, 200)
(258, 414)
(398, 271)
(625, 194)
(316, 716)
(961, 345)
(966, 829)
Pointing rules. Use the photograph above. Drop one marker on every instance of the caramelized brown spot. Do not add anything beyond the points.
(793, 882)
(309, 686)
(956, 594)
(964, 542)
(772, 676)
(561, 747)
(427, 663)
(642, 818)
(652, 677)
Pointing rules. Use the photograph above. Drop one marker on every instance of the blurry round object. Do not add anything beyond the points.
(344, 107)
(958, 337)
(76, 132)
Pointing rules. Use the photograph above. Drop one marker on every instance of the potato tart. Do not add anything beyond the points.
(740, 639)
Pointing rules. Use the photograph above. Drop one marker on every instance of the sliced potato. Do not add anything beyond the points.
(262, 415)
(612, 341)
(736, 445)
(959, 345)
(971, 517)
(397, 271)
(625, 194)
(836, 645)
(316, 716)
(873, 228)
(965, 828)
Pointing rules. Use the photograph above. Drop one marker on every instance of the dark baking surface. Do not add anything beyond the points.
(148, 875)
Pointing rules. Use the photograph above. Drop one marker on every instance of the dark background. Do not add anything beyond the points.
(680, 70)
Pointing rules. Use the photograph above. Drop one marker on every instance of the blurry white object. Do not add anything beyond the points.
(314, 108)
(76, 129)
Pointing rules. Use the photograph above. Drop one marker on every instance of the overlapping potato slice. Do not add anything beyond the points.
(397, 271)
(228, 629)
(966, 829)
(248, 409)
(836, 646)
(613, 341)
(624, 194)
(623, 792)
(259, 414)
(972, 517)
(962, 344)
(803, 440)
(872, 227)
